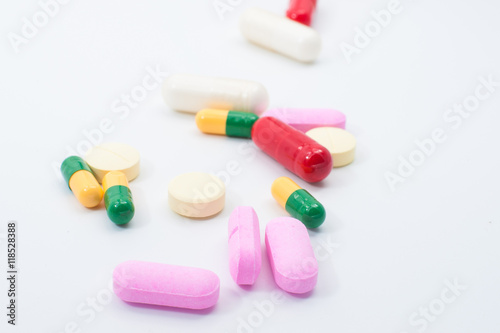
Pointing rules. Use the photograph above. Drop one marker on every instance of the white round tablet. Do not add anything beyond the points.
(113, 157)
(196, 194)
(339, 142)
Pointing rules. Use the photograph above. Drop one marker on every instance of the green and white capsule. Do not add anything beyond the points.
(298, 202)
(226, 122)
(118, 197)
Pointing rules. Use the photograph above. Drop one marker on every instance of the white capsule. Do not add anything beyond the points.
(280, 34)
(192, 93)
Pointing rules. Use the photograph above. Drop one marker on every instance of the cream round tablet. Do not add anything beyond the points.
(113, 157)
(339, 142)
(196, 194)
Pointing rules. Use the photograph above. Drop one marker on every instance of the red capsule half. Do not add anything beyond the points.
(301, 10)
(293, 149)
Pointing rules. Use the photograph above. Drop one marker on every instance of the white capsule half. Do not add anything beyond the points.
(280, 34)
(192, 93)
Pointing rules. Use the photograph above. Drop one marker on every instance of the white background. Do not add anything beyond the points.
(393, 250)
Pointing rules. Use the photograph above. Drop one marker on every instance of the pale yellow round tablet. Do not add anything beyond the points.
(113, 157)
(196, 194)
(338, 141)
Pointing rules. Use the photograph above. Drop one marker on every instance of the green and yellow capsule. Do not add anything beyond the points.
(226, 122)
(81, 181)
(298, 202)
(118, 197)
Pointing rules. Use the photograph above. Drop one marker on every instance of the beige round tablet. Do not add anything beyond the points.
(113, 157)
(196, 194)
(338, 141)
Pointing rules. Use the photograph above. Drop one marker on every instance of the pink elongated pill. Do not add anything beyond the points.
(306, 119)
(166, 285)
(245, 257)
(291, 255)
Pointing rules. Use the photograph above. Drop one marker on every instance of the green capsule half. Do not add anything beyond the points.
(298, 202)
(118, 197)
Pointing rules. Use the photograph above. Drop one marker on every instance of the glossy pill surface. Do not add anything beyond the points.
(298, 202)
(307, 119)
(244, 245)
(293, 149)
(291, 255)
(226, 122)
(301, 10)
(166, 285)
(280, 34)
(81, 181)
(192, 93)
(118, 197)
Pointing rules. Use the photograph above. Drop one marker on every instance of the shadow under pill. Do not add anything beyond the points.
(302, 296)
(247, 288)
(203, 218)
(172, 309)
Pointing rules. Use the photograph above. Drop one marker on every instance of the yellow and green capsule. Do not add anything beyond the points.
(226, 122)
(298, 202)
(118, 197)
(81, 181)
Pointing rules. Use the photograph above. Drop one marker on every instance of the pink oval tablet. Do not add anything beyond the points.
(167, 285)
(291, 255)
(245, 257)
(306, 119)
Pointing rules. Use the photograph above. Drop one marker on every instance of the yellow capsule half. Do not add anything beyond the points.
(81, 181)
(86, 188)
(212, 121)
(282, 188)
(114, 178)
